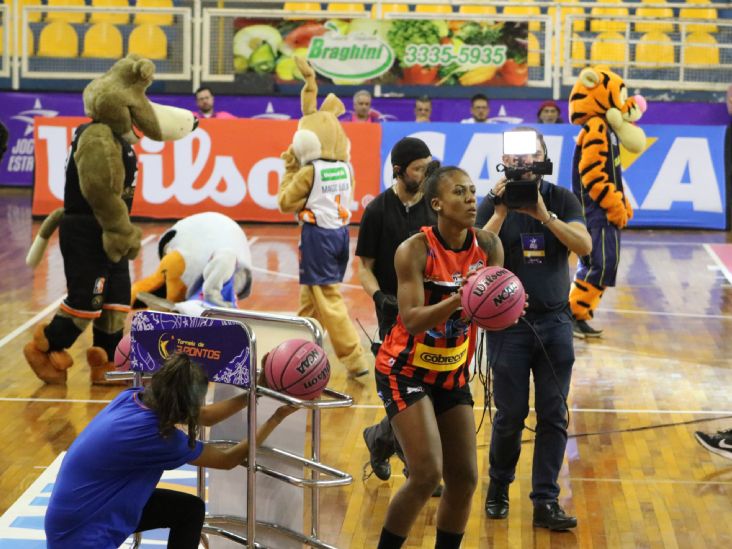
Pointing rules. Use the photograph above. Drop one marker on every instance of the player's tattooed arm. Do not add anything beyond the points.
(492, 246)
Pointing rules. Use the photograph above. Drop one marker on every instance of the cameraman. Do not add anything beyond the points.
(537, 240)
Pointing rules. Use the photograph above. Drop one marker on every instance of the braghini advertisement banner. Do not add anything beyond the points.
(233, 166)
(422, 52)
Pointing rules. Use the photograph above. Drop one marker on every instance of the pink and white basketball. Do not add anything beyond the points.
(122, 354)
(297, 367)
(494, 298)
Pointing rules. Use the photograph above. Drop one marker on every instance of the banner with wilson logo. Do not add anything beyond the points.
(228, 166)
(422, 52)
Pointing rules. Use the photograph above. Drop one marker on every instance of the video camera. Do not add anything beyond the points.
(521, 193)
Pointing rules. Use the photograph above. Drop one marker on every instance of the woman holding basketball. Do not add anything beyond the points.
(427, 354)
(105, 489)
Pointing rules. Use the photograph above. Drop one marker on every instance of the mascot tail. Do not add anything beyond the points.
(38, 248)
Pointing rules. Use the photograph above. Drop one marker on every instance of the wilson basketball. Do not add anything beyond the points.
(494, 298)
(122, 354)
(297, 367)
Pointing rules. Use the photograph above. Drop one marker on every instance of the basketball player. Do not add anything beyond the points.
(389, 219)
(422, 367)
(105, 488)
(538, 240)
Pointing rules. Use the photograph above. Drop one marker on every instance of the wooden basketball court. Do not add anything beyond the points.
(634, 475)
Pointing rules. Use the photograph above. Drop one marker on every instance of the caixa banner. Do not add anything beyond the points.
(676, 182)
(228, 166)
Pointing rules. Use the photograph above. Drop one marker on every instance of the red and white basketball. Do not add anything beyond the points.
(494, 298)
(297, 367)
(122, 354)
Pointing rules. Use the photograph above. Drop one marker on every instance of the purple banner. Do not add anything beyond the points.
(221, 347)
(17, 111)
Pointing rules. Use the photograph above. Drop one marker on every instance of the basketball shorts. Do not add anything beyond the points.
(323, 255)
(92, 280)
(398, 392)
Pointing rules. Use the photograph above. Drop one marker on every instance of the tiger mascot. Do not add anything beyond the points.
(599, 103)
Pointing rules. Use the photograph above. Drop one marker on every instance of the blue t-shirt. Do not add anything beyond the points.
(109, 473)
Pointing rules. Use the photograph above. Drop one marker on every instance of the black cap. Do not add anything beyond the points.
(407, 150)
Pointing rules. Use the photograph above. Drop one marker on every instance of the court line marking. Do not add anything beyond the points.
(629, 242)
(297, 277)
(718, 261)
(375, 406)
(664, 313)
(47, 310)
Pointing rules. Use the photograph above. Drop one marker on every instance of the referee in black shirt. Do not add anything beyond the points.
(389, 219)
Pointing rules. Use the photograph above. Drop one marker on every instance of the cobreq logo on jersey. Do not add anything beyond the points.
(438, 358)
(169, 343)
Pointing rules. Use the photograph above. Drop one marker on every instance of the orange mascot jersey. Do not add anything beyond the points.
(440, 356)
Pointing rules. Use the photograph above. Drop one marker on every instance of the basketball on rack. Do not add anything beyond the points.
(122, 354)
(494, 298)
(298, 368)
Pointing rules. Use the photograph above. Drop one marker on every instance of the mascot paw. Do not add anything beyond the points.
(291, 162)
(99, 365)
(48, 367)
(614, 118)
(618, 217)
(628, 207)
(123, 244)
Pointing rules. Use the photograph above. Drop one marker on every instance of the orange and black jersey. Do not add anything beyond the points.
(440, 356)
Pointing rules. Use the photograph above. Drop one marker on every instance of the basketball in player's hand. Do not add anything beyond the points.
(493, 298)
(297, 367)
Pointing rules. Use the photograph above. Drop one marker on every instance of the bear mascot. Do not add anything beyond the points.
(318, 186)
(599, 102)
(96, 236)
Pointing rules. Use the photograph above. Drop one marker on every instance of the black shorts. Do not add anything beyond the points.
(93, 281)
(398, 392)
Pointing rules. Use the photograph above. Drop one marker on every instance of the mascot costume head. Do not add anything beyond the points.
(97, 238)
(318, 186)
(600, 103)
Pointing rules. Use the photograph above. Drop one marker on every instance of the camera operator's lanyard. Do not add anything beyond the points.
(533, 245)
(534, 248)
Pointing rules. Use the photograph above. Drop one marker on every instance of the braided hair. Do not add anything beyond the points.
(176, 393)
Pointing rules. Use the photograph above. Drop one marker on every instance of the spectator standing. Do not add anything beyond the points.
(549, 113)
(480, 109)
(362, 111)
(423, 109)
(205, 104)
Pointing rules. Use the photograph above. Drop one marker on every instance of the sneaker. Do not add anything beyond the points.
(380, 467)
(720, 443)
(496, 501)
(437, 492)
(551, 515)
(582, 330)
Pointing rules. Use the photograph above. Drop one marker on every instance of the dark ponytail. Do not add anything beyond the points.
(434, 174)
(176, 393)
